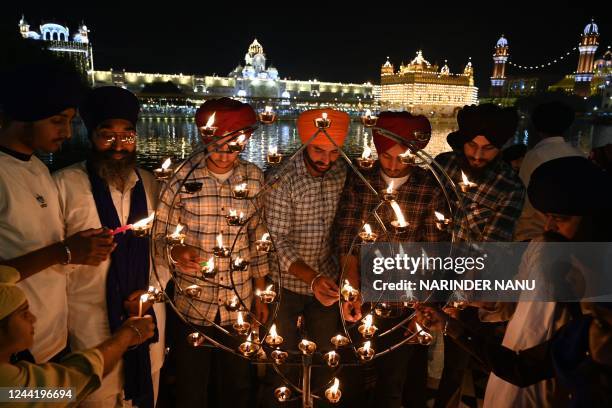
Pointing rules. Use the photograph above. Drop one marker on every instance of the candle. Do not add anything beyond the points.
(144, 298)
(400, 223)
(279, 356)
(349, 293)
(208, 129)
(367, 329)
(333, 393)
(332, 359)
(140, 228)
(267, 295)
(240, 191)
(366, 352)
(389, 194)
(367, 235)
(282, 394)
(267, 116)
(195, 339)
(339, 341)
(273, 339)
(241, 326)
(323, 122)
(465, 184)
(177, 237)
(248, 348)
(273, 156)
(164, 172)
(407, 157)
(207, 268)
(441, 221)
(264, 244)
(307, 347)
(220, 251)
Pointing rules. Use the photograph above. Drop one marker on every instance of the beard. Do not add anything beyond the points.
(318, 166)
(475, 173)
(112, 170)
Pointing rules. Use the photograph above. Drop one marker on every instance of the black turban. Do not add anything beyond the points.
(570, 186)
(514, 152)
(109, 102)
(496, 124)
(552, 118)
(39, 90)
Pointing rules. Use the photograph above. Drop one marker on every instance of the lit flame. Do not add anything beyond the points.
(367, 229)
(234, 301)
(241, 138)
(249, 338)
(347, 287)
(401, 221)
(305, 342)
(334, 388)
(368, 113)
(241, 215)
(368, 321)
(273, 150)
(211, 120)
(177, 231)
(366, 346)
(268, 109)
(465, 179)
(210, 265)
(407, 153)
(390, 187)
(338, 338)
(220, 241)
(233, 213)
(144, 298)
(439, 216)
(324, 115)
(166, 164)
(367, 152)
(418, 327)
(273, 332)
(239, 318)
(144, 222)
(265, 237)
(269, 288)
(241, 187)
(238, 261)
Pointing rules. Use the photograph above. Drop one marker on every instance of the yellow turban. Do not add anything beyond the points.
(337, 131)
(11, 296)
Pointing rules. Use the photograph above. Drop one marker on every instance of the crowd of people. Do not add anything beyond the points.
(70, 314)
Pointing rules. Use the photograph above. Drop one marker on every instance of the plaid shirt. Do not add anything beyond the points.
(203, 213)
(418, 198)
(300, 214)
(492, 207)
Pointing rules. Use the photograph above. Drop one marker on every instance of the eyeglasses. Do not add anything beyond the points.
(109, 137)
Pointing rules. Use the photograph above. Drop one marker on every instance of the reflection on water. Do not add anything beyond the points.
(159, 139)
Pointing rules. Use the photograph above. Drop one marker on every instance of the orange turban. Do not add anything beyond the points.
(230, 115)
(337, 130)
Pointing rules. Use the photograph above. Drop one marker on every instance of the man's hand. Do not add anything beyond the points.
(91, 247)
(187, 259)
(325, 290)
(351, 311)
(132, 303)
(261, 311)
(143, 325)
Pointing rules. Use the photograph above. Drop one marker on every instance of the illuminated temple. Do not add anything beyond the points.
(424, 88)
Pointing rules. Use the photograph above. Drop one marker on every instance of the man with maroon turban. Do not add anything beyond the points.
(418, 196)
(300, 210)
(202, 211)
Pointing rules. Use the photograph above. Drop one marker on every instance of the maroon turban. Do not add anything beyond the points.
(409, 127)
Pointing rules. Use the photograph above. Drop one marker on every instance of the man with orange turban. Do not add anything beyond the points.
(300, 210)
(418, 196)
(211, 177)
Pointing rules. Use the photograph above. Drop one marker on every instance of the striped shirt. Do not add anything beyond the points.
(418, 198)
(300, 211)
(204, 215)
(492, 207)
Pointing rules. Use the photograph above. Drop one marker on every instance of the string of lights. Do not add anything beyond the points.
(544, 65)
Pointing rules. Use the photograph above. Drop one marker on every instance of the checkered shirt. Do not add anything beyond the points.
(300, 214)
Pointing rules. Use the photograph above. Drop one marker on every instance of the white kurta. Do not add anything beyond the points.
(531, 222)
(88, 319)
(31, 219)
(531, 324)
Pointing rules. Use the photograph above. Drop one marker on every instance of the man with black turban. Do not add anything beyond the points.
(108, 191)
(38, 103)
(550, 121)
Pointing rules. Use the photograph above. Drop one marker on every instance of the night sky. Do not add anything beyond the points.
(343, 47)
